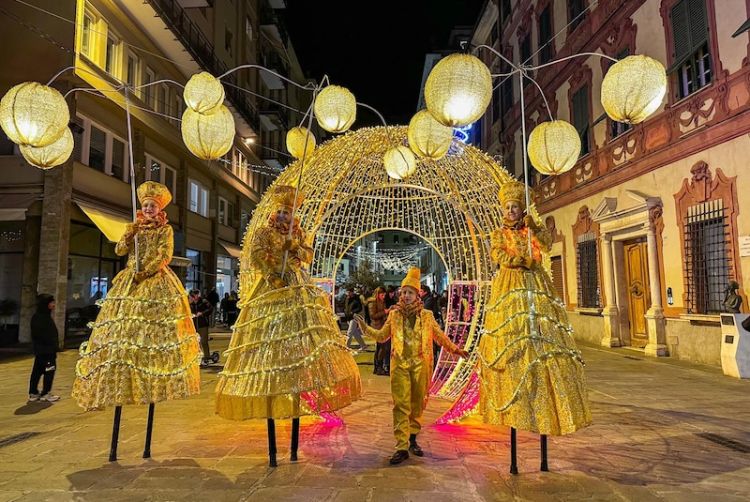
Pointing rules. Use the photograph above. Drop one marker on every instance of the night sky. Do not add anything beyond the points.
(375, 48)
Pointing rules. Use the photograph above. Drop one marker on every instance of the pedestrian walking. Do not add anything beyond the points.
(45, 343)
(201, 309)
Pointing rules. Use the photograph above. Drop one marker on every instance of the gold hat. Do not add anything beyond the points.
(156, 192)
(514, 191)
(413, 279)
(283, 195)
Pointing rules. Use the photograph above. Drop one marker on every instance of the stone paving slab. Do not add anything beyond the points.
(663, 431)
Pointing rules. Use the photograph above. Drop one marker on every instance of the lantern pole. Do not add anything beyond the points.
(132, 172)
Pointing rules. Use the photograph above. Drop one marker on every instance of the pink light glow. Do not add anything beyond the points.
(465, 404)
(330, 419)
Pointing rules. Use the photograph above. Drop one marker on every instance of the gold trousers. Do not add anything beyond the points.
(409, 385)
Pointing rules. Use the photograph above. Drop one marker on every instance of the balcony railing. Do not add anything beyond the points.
(202, 50)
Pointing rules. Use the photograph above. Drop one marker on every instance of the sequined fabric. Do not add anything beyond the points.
(287, 356)
(143, 347)
(531, 371)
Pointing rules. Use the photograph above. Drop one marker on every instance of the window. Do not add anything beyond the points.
(707, 270)
(177, 104)
(228, 41)
(161, 96)
(148, 92)
(506, 94)
(198, 199)
(692, 60)
(87, 35)
(545, 35)
(588, 277)
(526, 57)
(100, 149)
(156, 170)
(244, 221)
(194, 272)
(133, 70)
(112, 56)
(576, 13)
(556, 267)
(580, 106)
(226, 212)
(496, 106)
(97, 148)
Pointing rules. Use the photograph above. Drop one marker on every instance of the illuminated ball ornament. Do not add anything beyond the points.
(203, 93)
(428, 137)
(33, 114)
(335, 109)
(458, 90)
(208, 136)
(399, 162)
(554, 147)
(52, 155)
(295, 142)
(633, 89)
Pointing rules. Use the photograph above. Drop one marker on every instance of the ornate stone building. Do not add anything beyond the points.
(650, 221)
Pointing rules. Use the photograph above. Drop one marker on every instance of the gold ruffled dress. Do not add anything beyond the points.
(287, 356)
(531, 373)
(143, 347)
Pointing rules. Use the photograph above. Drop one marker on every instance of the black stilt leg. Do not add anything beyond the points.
(115, 434)
(149, 428)
(295, 438)
(271, 443)
(513, 462)
(543, 442)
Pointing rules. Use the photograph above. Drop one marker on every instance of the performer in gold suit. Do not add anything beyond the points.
(531, 371)
(412, 329)
(143, 346)
(287, 357)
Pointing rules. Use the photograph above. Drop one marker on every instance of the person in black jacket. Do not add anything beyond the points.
(201, 309)
(44, 340)
(213, 299)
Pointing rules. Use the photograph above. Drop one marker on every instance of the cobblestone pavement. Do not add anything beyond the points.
(663, 431)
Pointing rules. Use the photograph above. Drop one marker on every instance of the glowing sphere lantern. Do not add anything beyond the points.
(208, 136)
(633, 89)
(399, 162)
(203, 93)
(335, 109)
(458, 90)
(554, 147)
(33, 114)
(428, 137)
(296, 139)
(52, 155)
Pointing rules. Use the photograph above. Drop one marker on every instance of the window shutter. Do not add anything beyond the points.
(698, 23)
(681, 32)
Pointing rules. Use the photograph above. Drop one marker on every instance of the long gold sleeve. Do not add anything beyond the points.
(440, 337)
(125, 244)
(382, 334)
(544, 237)
(498, 252)
(264, 255)
(304, 251)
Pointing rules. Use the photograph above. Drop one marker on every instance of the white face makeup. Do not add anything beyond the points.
(150, 208)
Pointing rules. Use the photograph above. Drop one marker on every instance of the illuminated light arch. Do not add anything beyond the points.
(450, 203)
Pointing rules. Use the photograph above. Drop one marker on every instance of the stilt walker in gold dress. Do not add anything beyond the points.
(287, 357)
(531, 371)
(412, 330)
(143, 346)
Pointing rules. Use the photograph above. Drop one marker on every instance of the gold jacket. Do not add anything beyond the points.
(426, 326)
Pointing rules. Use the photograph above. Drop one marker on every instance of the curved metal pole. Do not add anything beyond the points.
(581, 54)
(258, 67)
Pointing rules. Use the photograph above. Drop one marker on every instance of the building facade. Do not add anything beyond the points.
(58, 226)
(650, 227)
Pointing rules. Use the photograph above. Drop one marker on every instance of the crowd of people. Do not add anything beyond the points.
(374, 306)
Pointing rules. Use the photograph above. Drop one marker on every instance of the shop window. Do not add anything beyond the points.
(194, 272)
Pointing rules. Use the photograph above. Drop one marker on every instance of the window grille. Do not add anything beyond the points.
(707, 261)
(588, 276)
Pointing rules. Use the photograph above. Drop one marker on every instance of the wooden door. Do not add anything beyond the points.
(639, 298)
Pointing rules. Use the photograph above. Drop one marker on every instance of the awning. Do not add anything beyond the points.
(232, 250)
(110, 224)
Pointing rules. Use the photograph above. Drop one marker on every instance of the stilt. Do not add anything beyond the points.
(543, 442)
(149, 428)
(115, 434)
(513, 462)
(295, 438)
(271, 443)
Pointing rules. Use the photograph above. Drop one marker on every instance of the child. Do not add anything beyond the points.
(412, 330)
